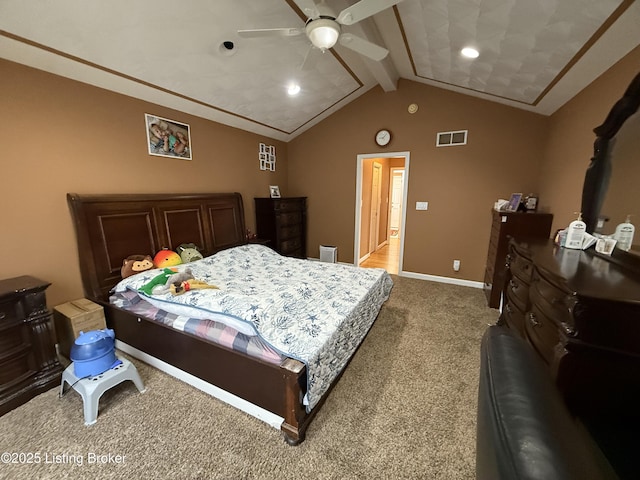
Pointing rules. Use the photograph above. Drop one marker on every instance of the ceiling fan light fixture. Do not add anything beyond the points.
(323, 33)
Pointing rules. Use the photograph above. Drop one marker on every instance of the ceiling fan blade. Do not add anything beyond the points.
(363, 47)
(363, 9)
(308, 7)
(271, 32)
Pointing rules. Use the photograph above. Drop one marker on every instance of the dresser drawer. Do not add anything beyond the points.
(553, 302)
(521, 267)
(13, 336)
(287, 247)
(514, 317)
(286, 205)
(9, 312)
(16, 369)
(542, 333)
(286, 219)
(293, 231)
(518, 291)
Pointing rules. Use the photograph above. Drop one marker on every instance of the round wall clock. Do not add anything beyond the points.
(383, 137)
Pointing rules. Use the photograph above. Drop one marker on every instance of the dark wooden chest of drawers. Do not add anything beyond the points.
(28, 361)
(581, 313)
(283, 221)
(507, 225)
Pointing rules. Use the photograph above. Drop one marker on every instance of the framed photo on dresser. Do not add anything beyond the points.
(514, 202)
(274, 191)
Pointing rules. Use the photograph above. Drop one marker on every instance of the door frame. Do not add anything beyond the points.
(358, 204)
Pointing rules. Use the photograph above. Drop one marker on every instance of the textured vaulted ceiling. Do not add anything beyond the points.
(534, 55)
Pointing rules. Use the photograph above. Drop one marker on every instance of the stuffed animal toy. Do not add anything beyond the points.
(135, 264)
(162, 283)
(189, 252)
(166, 258)
(187, 285)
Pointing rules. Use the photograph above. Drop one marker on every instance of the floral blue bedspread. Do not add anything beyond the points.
(315, 312)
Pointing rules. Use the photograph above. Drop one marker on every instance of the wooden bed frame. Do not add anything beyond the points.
(109, 228)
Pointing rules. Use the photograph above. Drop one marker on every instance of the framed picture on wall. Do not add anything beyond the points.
(168, 138)
(274, 191)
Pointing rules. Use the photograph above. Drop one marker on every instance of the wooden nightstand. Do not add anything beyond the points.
(28, 361)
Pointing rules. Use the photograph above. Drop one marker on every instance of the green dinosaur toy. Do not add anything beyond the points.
(159, 280)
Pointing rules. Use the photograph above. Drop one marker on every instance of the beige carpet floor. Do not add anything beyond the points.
(404, 409)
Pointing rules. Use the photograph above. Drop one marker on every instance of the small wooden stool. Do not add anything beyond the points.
(92, 388)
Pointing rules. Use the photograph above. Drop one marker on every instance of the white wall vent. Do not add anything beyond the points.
(450, 139)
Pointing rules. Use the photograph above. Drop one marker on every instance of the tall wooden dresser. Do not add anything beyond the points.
(283, 221)
(28, 361)
(507, 225)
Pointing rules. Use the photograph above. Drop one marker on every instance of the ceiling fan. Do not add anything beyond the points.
(323, 27)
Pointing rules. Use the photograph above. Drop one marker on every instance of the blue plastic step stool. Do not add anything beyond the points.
(92, 388)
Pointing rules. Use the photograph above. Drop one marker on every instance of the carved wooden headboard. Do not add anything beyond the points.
(109, 228)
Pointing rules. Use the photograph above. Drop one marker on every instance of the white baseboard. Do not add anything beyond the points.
(436, 278)
(241, 404)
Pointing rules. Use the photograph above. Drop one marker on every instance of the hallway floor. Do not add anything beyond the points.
(386, 257)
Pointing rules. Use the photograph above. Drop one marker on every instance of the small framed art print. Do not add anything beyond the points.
(274, 191)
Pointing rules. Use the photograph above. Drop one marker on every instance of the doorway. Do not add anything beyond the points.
(381, 196)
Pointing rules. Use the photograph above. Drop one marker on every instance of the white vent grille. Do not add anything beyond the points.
(328, 253)
(451, 139)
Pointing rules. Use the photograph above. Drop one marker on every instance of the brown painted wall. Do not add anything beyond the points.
(63, 136)
(570, 145)
(460, 183)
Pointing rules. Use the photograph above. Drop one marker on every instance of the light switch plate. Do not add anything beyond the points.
(422, 205)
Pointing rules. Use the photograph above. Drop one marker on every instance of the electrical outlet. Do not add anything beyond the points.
(422, 205)
(456, 265)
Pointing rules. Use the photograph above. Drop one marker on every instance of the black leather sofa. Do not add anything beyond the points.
(524, 430)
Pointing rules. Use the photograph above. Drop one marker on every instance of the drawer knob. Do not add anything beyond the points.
(514, 286)
(2, 315)
(568, 329)
(533, 320)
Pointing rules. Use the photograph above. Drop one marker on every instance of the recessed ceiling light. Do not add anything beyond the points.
(293, 89)
(469, 52)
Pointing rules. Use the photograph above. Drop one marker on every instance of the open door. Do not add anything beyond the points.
(378, 236)
(374, 228)
(395, 204)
